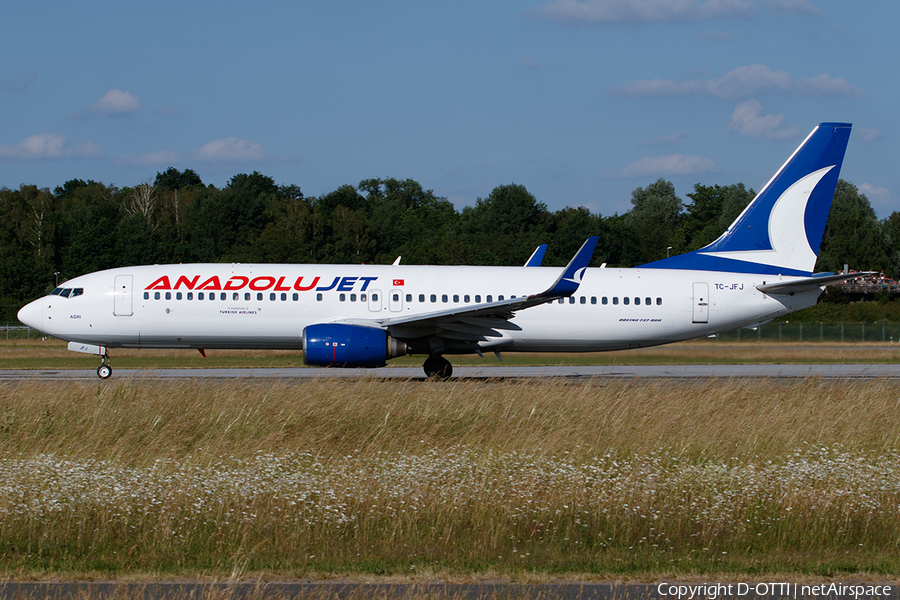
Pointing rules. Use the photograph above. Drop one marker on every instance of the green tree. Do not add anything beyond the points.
(655, 219)
(505, 227)
(853, 235)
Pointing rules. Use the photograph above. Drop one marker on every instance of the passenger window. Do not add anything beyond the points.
(295, 296)
(272, 297)
(342, 297)
(626, 300)
(490, 298)
(168, 295)
(433, 298)
(659, 301)
(455, 297)
(259, 296)
(466, 299)
(396, 297)
(647, 301)
(593, 299)
(478, 298)
(443, 297)
(318, 297)
(571, 299)
(421, 297)
(409, 297)
(178, 295)
(583, 300)
(352, 297)
(500, 298)
(604, 301)
(156, 295)
(212, 295)
(200, 296)
(190, 295)
(146, 294)
(637, 301)
(362, 297)
(615, 300)
(562, 300)
(235, 296)
(247, 296)
(283, 297)
(374, 297)
(223, 296)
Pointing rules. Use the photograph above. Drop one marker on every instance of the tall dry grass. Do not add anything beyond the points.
(323, 477)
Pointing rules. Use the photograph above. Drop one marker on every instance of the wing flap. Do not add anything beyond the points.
(806, 284)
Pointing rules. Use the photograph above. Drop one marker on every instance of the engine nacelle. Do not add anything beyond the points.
(342, 345)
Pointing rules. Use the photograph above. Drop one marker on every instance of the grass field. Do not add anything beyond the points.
(403, 479)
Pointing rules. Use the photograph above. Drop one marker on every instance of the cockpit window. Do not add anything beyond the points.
(67, 292)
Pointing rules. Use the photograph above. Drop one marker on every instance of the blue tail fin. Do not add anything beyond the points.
(781, 229)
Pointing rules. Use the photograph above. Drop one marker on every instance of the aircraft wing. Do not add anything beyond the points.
(478, 321)
(807, 284)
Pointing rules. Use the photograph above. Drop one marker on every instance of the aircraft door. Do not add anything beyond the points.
(395, 300)
(701, 302)
(122, 296)
(375, 300)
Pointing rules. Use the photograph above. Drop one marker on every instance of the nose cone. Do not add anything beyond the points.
(31, 314)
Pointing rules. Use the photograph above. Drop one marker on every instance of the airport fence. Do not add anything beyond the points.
(17, 331)
(847, 331)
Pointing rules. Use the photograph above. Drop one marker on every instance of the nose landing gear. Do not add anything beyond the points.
(438, 367)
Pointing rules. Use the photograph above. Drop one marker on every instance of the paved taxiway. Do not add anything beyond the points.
(826, 371)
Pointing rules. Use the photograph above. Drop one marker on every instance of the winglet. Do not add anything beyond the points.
(537, 257)
(568, 282)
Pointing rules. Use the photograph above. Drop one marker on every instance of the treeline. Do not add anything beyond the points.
(83, 226)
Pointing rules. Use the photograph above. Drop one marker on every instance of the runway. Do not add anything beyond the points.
(764, 371)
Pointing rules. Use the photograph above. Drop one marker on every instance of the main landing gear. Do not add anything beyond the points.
(104, 370)
(438, 367)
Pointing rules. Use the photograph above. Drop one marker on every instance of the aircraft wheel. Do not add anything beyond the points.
(438, 367)
(104, 371)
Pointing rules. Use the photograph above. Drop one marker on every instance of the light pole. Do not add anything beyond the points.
(667, 251)
(56, 274)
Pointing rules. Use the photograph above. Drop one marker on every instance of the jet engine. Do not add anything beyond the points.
(342, 345)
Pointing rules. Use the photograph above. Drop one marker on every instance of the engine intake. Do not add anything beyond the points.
(342, 345)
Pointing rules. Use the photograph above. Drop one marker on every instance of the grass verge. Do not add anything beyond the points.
(391, 478)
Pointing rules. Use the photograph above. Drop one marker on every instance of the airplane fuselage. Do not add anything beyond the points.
(267, 306)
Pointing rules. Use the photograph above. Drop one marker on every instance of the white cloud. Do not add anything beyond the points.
(116, 102)
(786, 7)
(740, 83)
(748, 119)
(151, 159)
(672, 164)
(671, 138)
(231, 150)
(878, 196)
(868, 135)
(529, 62)
(47, 146)
(641, 11)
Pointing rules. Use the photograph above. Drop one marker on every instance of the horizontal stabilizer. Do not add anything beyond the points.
(807, 284)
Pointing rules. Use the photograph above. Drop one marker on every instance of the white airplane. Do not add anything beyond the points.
(364, 315)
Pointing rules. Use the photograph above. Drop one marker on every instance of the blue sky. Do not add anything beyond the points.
(580, 101)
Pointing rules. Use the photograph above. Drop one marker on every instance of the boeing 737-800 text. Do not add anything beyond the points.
(364, 315)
